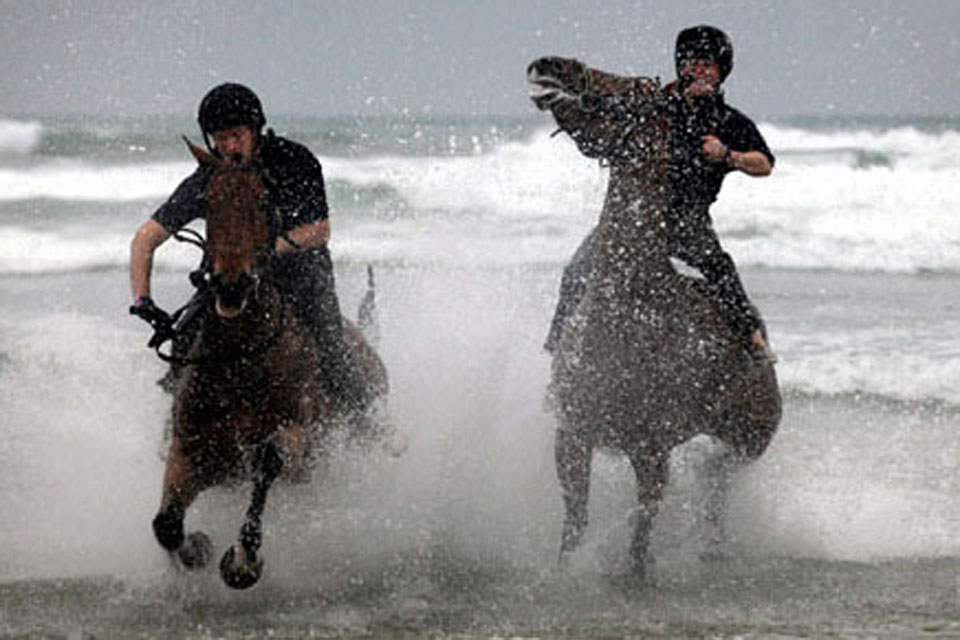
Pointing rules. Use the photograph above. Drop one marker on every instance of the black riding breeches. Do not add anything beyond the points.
(316, 301)
(692, 240)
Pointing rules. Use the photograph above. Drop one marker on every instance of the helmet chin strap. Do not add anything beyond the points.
(210, 147)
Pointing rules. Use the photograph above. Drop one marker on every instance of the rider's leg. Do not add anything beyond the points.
(573, 286)
(309, 285)
(694, 241)
(180, 489)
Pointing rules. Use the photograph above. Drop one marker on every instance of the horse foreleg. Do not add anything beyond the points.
(179, 491)
(651, 469)
(719, 469)
(294, 444)
(242, 565)
(573, 453)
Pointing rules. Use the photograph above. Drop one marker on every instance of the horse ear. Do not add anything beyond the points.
(203, 156)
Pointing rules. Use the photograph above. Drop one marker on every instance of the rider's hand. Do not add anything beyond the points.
(714, 150)
(153, 315)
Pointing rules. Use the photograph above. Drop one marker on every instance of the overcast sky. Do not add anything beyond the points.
(133, 57)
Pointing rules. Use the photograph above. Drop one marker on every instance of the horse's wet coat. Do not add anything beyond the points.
(251, 404)
(647, 361)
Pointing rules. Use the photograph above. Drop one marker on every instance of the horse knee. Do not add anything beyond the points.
(572, 534)
(267, 461)
(168, 529)
(573, 461)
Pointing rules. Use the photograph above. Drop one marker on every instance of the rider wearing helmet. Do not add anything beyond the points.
(232, 122)
(709, 140)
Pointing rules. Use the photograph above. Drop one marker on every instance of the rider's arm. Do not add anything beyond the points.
(742, 147)
(301, 194)
(752, 163)
(311, 235)
(184, 205)
(149, 236)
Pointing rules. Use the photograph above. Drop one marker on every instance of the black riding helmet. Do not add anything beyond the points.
(704, 42)
(230, 105)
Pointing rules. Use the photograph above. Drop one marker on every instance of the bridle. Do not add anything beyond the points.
(203, 280)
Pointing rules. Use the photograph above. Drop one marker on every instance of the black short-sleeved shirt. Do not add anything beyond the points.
(294, 180)
(694, 179)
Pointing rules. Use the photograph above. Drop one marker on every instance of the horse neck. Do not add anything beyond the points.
(236, 225)
(632, 246)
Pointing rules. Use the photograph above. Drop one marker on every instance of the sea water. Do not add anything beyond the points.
(848, 524)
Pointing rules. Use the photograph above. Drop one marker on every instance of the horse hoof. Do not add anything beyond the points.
(168, 529)
(238, 570)
(196, 551)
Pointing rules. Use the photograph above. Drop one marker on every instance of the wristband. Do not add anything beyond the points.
(141, 300)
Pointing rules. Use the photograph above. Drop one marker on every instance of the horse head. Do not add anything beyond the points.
(556, 79)
(621, 120)
(239, 236)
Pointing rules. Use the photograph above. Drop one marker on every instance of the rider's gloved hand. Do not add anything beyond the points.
(144, 308)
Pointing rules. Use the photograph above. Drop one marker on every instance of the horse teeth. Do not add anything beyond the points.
(541, 91)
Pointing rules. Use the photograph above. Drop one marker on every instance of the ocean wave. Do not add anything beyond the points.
(80, 181)
(531, 200)
(35, 251)
(895, 377)
(907, 140)
(19, 137)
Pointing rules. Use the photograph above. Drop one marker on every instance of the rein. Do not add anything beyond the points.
(243, 352)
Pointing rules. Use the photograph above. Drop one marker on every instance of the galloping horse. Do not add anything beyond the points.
(250, 404)
(647, 361)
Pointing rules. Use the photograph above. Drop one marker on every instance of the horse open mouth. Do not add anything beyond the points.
(228, 311)
(231, 297)
(546, 87)
(542, 82)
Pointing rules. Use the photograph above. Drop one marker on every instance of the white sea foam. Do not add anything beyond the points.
(68, 180)
(531, 201)
(24, 250)
(18, 137)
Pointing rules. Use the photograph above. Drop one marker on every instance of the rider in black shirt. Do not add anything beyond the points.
(232, 115)
(709, 140)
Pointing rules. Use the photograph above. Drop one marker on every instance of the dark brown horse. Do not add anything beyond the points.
(250, 403)
(647, 360)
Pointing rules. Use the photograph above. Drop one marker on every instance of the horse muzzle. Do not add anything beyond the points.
(231, 295)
